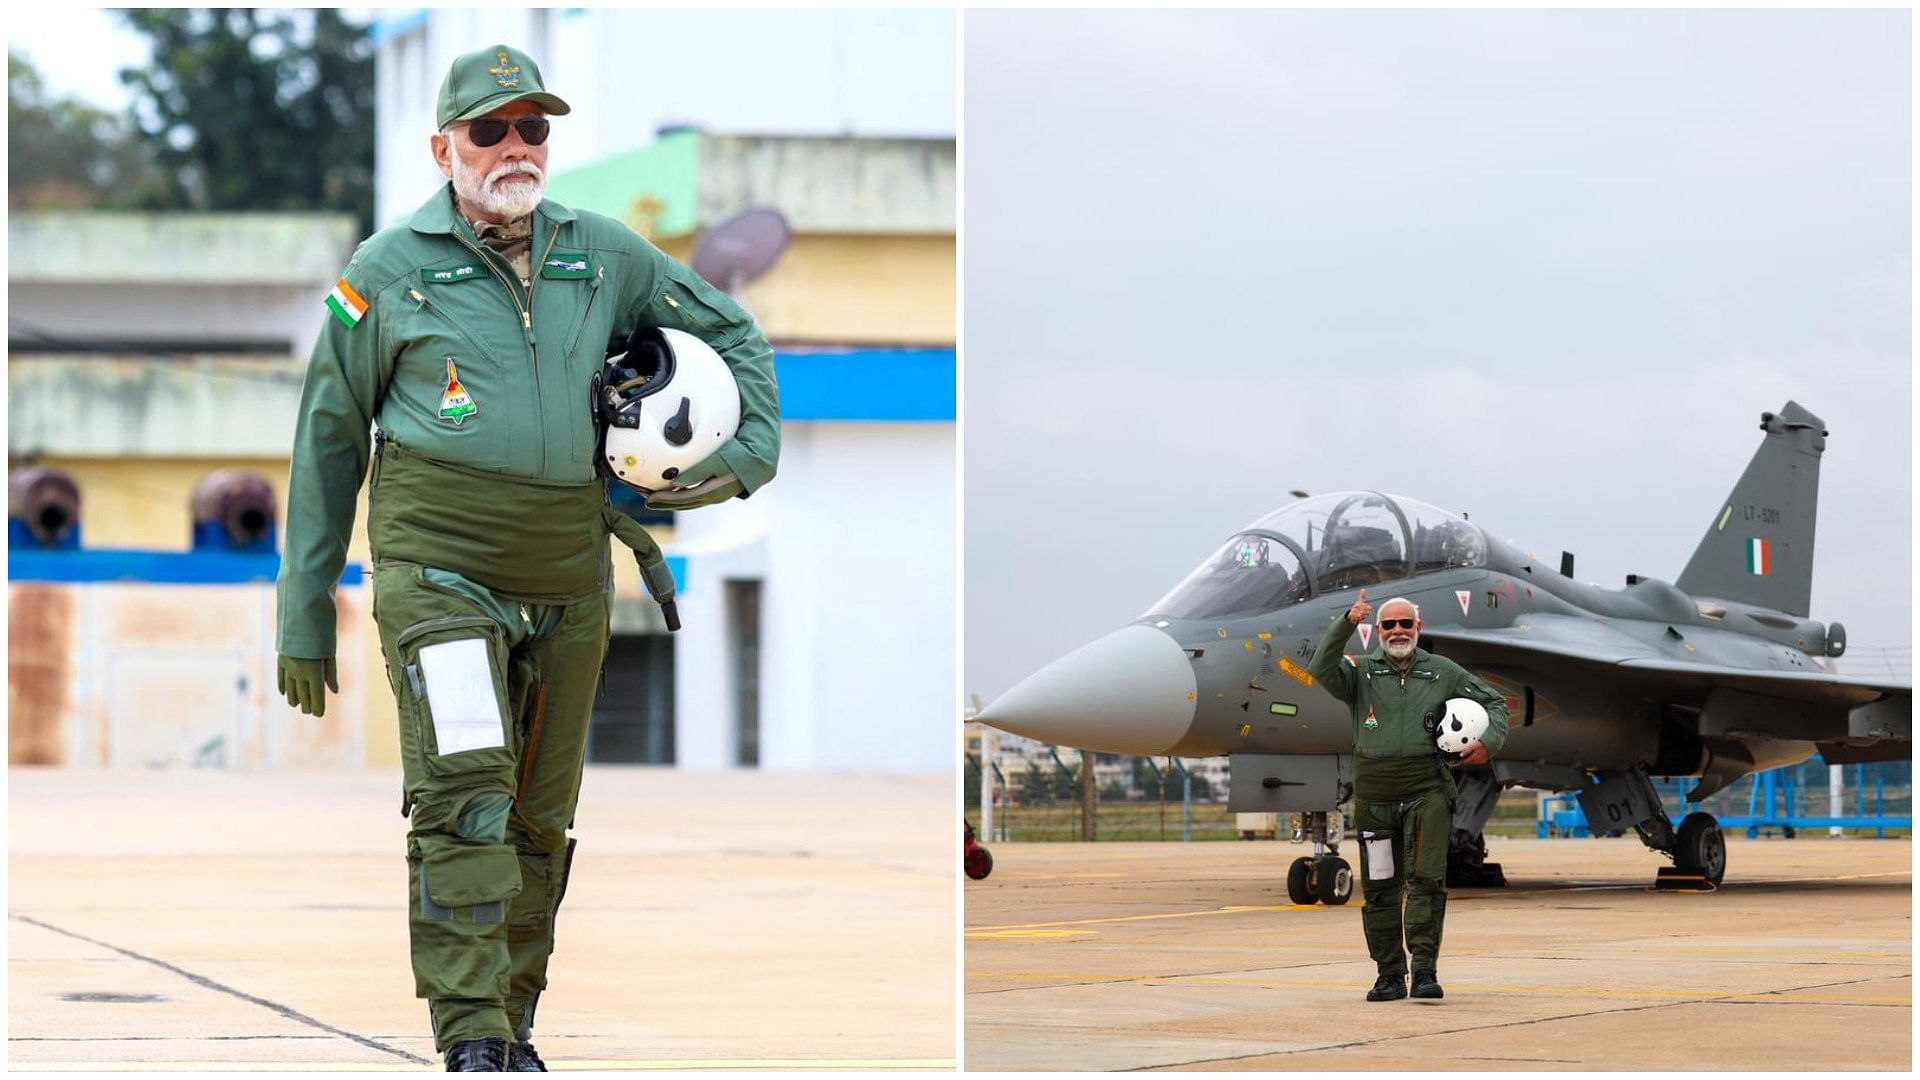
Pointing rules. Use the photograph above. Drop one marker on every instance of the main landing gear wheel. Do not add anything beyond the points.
(1332, 881)
(1299, 884)
(1701, 847)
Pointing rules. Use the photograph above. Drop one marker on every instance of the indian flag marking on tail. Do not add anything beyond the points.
(1725, 516)
(456, 404)
(346, 305)
(1759, 556)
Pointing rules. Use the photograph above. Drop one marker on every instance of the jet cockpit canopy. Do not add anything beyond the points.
(1324, 544)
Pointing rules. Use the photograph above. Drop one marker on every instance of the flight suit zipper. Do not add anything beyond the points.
(421, 299)
(526, 318)
(592, 293)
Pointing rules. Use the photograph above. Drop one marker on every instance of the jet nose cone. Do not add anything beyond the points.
(1131, 692)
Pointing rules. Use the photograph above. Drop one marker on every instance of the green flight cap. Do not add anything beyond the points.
(486, 79)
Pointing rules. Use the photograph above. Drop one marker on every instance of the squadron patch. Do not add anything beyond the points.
(456, 404)
(567, 266)
(1370, 723)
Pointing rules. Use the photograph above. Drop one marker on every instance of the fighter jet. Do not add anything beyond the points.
(1716, 675)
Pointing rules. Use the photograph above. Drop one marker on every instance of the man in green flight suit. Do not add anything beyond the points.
(1403, 794)
(469, 335)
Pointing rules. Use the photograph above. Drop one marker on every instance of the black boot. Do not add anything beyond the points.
(1388, 988)
(525, 1058)
(478, 1055)
(1426, 986)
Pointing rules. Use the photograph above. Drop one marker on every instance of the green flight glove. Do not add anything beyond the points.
(300, 681)
(705, 493)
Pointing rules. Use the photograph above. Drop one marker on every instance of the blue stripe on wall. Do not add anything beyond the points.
(395, 25)
(154, 567)
(187, 568)
(867, 384)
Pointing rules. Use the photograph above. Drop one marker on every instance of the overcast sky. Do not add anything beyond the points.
(1545, 267)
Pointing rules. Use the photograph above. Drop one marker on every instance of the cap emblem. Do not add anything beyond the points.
(507, 74)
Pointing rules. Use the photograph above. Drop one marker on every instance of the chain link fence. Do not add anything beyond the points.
(1038, 795)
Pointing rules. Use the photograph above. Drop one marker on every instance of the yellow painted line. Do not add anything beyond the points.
(1146, 918)
(667, 1065)
(1478, 988)
(1035, 935)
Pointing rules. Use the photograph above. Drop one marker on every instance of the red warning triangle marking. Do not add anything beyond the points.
(1366, 635)
(1462, 595)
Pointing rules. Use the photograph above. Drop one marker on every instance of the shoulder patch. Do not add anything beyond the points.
(346, 303)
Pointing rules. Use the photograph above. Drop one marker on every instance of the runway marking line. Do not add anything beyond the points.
(1242, 909)
(1204, 979)
(661, 1065)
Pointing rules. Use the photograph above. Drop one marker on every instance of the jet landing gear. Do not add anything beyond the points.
(1701, 848)
(1323, 877)
(1698, 848)
(1467, 865)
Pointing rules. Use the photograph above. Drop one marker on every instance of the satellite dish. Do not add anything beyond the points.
(741, 248)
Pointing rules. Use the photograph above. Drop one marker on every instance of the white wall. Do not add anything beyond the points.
(627, 72)
(858, 604)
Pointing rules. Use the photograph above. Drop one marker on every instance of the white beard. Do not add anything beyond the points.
(1400, 651)
(510, 202)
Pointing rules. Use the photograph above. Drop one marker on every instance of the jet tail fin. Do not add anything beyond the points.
(1759, 546)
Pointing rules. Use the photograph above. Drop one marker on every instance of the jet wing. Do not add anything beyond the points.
(1559, 641)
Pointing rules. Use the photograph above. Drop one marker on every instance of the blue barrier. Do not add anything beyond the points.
(1771, 804)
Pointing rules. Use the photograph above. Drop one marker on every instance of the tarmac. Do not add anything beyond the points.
(204, 920)
(1189, 957)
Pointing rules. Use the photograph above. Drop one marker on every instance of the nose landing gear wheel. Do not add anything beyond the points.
(1299, 888)
(1332, 881)
(1701, 847)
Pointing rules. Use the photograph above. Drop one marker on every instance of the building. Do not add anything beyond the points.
(820, 615)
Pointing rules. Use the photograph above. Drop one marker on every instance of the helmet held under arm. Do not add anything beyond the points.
(664, 403)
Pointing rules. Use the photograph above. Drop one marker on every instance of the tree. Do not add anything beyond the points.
(252, 109)
(66, 154)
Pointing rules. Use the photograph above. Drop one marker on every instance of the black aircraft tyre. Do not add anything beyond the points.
(1701, 846)
(1333, 881)
(979, 863)
(1299, 885)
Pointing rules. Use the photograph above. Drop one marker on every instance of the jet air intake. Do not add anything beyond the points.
(1130, 692)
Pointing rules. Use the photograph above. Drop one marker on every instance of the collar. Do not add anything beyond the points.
(440, 217)
(1420, 655)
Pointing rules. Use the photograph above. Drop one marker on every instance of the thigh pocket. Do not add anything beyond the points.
(454, 693)
(1378, 847)
(461, 882)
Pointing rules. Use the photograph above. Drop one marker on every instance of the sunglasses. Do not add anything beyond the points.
(533, 130)
(1392, 624)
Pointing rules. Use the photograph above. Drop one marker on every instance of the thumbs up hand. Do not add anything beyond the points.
(1360, 610)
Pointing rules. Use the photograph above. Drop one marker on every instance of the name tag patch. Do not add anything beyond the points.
(447, 275)
(1425, 675)
(567, 265)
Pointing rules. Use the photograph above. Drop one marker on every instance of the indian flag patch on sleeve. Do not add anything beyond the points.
(456, 404)
(346, 305)
(1759, 556)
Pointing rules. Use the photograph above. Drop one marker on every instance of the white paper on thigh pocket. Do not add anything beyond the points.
(466, 714)
(1379, 856)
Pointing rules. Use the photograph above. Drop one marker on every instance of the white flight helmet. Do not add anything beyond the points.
(1461, 726)
(665, 403)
